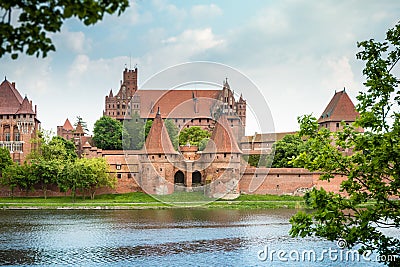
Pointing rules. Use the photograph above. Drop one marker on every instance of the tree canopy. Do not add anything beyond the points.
(370, 161)
(286, 149)
(194, 135)
(107, 134)
(29, 32)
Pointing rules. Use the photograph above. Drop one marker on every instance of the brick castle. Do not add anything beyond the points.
(218, 170)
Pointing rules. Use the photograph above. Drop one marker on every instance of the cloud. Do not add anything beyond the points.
(205, 11)
(75, 42)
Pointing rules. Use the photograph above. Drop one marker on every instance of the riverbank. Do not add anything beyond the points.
(140, 200)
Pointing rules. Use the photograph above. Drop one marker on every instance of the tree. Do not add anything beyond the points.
(173, 131)
(369, 202)
(286, 149)
(46, 172)
(5, 159)
(107, 134)
(83, 123)
(134, 131)
(38, 19)
(193, 135)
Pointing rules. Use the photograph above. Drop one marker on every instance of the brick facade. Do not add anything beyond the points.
(18, 122)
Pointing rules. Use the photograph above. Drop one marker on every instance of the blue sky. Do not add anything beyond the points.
(297, 52)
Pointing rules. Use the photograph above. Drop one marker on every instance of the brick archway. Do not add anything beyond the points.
(196, 178)
(179, 177)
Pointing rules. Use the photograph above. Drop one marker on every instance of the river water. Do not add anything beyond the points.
(171, 237)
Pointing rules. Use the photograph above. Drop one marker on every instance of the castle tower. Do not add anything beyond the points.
(223, 155)
(241, 112)
(339, 109)
(18, 122)
(118, 106)
(158, 152)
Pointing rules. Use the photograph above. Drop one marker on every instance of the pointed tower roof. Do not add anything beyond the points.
(79, 129)
(111, 93)
(223, 138)
(339, 108)
(158, 141)
(25, 107)
(67, 125)
(10, 99)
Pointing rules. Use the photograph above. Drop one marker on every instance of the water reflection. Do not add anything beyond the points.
(174, 237)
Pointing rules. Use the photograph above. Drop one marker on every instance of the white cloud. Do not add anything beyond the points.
(205, 11)
(75, 42)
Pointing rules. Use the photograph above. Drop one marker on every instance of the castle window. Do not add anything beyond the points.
(129, 175)
(160, 169)
(224, 155)
(208, 120)
(17, 137)
(14, 116)
(159, 155)
(118, 106)
(199, 120)
(117, 113)
(119, 175)
(277, 175)
(152, 157)
(337, 125)
(118, 166)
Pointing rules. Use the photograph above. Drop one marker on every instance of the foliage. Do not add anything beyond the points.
(193, 135)
(147, 128)
(5, 159)
(107, 134)
(46, 172)
(369, 160)
(173, 131)
(286, 149)
(203, 143)
(16, 175)
(37, 20)
(262, 160)
(134, 131)
(83, 123)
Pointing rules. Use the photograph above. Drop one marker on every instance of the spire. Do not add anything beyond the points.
(111, 93)
(67, 125)
(158, 141)
(223, 139)
(158, 112)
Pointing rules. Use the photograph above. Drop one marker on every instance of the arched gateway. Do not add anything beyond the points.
(196, 178)
(179, 177)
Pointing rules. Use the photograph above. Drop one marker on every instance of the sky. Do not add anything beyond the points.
(297, 53)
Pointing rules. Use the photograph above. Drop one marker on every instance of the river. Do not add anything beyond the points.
(170, 237)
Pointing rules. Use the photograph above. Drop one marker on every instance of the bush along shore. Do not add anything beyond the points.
(139, 200)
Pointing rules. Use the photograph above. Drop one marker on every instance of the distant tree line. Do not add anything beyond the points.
(55, 163)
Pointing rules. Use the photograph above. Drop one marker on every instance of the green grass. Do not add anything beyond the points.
(142, 200)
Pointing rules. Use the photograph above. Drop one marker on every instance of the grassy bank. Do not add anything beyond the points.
(140, 200)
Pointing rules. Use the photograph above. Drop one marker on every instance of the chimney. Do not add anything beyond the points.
(13, 84)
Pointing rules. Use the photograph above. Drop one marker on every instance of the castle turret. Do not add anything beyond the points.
(339, 109)
(223, 155)
(158, 153)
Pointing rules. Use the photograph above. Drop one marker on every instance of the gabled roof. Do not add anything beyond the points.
(10, 99)
(340, 108)
(177, 103)
(67, 125)
(158, 141)
(222, 139)
(25, 107)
